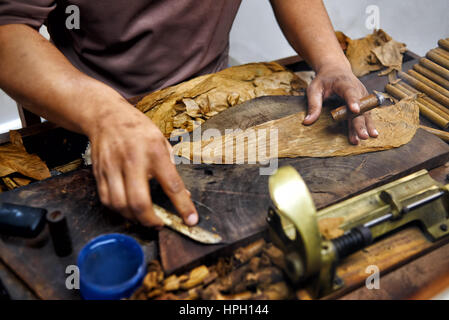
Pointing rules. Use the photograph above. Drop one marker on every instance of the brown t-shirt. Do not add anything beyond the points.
(135, 46)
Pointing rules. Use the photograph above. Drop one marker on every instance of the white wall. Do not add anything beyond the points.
(418, 23)
(256, 36)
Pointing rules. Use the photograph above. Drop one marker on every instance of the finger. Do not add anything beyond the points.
(170, 151)
(352, 135)
(370, 126)
(165, 172)
(102, 187)
(360, 127)
(315, 102)
(117, 194)
(351, 94)
(139, 197)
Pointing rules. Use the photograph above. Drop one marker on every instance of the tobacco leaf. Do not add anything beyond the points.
(187, 105)
(14, 158)
(373, 52)
(396, 124)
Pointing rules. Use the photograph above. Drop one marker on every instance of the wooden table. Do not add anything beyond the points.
(403, 280)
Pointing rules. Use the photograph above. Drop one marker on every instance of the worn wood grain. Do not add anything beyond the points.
(75, 195)
(238, 194)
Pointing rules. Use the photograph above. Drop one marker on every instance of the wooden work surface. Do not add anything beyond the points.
(237, 196)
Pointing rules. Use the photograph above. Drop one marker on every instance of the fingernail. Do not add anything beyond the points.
(307, 117)
(355, 107)
(365, 132)
(375, 132)
(192, 219)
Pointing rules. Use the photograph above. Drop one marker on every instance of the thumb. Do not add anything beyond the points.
(315, 102)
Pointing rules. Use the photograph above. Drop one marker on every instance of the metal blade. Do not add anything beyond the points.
(176, 223)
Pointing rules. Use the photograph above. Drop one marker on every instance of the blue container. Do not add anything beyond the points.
(112, 267)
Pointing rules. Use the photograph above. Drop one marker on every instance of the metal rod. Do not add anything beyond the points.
(422, 202)
(378, 221)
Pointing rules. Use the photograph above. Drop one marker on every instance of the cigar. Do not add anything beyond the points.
(426, 101)
(399, 92)
(434, 67)
(419, 85)
(439, 133)
(441, 52)
(432, 76)
(367, 103)
(435, 57)
(440, 109)
(444, 44)
(428, 82)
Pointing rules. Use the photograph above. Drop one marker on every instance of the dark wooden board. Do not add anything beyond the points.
(75, 195)
(238, 194)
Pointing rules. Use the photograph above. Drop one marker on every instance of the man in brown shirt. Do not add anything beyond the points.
(125, 48)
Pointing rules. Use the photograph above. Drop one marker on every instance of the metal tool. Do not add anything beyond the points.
(367, 103)
(176, 223)
(311, 260)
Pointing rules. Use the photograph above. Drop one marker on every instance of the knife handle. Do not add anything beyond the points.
(21, 221)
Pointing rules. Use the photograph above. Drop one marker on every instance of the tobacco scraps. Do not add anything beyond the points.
(185, 106)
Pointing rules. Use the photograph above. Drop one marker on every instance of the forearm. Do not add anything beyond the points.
(37, 75)
(308, 29)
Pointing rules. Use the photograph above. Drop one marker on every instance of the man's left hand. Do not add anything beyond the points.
(341, 81)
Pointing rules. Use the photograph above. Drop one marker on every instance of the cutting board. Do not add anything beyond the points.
(238, 194)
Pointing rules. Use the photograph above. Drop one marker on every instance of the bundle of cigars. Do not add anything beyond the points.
(428, 81)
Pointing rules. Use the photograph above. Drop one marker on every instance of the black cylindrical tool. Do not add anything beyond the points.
(59, 231)
(21, 221)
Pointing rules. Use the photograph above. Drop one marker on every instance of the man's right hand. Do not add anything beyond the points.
(128, 150)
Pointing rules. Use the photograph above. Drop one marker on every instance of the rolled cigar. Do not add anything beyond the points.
(425, 111)
(435, 57)
(444, 43)
(434, 67)
(429, 102)
(432, 76)
(367, 103)
(419, 85)
(442, 52)
(428, 82)
(439, 133)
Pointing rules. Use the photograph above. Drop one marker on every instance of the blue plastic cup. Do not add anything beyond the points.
(112, 266)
